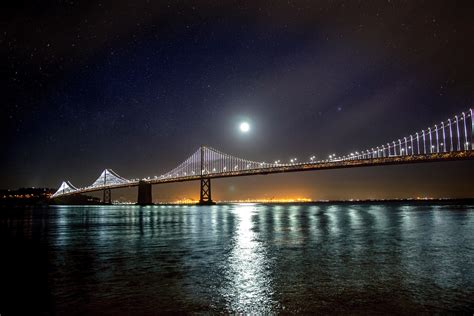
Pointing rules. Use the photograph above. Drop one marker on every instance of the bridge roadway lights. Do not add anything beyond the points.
(205, 196)
(144, 193)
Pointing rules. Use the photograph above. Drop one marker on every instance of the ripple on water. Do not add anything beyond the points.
(239, 258)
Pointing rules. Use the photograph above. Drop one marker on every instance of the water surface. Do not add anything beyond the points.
(397, 258)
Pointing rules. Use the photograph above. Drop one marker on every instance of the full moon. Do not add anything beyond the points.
(244, 127)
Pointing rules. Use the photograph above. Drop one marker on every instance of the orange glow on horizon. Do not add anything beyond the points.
(249, 200)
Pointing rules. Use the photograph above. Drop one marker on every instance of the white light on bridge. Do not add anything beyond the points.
(453, 133)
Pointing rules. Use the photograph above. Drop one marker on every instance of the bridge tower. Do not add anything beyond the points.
(144, 193)
(107, 198)
(205, 195)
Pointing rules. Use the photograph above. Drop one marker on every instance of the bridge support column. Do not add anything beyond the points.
(107, 198)
(144, 193)
(205, 196)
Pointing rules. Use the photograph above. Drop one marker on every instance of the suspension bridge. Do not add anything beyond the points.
(450, 140)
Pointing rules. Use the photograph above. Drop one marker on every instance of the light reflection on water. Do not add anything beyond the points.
(248, 267)
(239, 258)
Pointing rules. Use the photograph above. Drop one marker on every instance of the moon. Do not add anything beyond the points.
(244, 127)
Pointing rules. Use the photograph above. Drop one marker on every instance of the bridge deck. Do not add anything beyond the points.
(334, 164)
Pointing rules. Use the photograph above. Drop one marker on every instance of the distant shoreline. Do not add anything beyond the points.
(381, 201)
(41, 197)
(335, 202)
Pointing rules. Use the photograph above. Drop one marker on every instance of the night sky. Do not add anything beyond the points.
(138, 86)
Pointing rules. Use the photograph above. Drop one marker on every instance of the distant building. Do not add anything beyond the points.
(41, 196)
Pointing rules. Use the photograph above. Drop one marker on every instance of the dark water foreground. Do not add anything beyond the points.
(237, 258)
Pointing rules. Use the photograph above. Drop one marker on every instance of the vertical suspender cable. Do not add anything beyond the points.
(431, 140)
(451, 147)
(424, 142)
(466, 143)
(472, 129)
(418, 143)
(444, 137)
(457, 130)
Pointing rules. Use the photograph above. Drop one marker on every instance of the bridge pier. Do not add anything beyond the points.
(107, 198)
(144, 193)
(205, 196)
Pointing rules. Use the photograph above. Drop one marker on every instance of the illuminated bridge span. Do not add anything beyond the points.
(450, 140)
